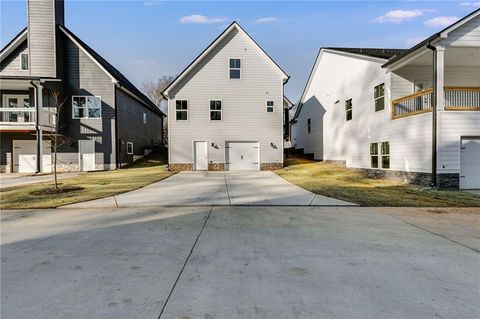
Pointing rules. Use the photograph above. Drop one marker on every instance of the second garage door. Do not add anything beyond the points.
(243, 156)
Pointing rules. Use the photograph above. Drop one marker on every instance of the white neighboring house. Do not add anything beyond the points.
(372, 109)
(227, 108)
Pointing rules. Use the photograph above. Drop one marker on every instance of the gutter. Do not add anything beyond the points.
(434, 115)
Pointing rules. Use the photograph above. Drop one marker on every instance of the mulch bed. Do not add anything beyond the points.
(60, 190)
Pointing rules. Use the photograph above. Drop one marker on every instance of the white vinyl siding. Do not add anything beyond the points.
(243, 103)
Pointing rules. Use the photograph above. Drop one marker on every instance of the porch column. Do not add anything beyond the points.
(440, 77)
(38, 108)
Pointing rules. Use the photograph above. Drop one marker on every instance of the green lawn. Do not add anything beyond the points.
(350, 185)
(96, 185)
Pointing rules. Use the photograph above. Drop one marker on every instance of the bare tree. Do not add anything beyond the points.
(153, 90)
(56, 137)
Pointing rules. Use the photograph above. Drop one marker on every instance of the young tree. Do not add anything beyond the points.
(56, 137)
(153, 90)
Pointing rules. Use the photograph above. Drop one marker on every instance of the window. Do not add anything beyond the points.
(348, 109)
(309, 125)
(235, 70)
(24, 61)
(374, 155)
(129, 148)
(144, 118)
(215, 110)
(181, 107)
(270, 106)
(379, 97)
(86, 107)
(385, 155)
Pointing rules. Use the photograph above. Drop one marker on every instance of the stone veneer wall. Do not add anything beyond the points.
(216, 166)
(177, 167)
(448, 180)
(270, 166)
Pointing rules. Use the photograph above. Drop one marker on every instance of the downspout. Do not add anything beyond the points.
(37, 129)
(117, 142)
(434, 116)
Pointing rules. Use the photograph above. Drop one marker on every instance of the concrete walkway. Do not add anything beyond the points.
(240, 262)
(15, 179)
(262, 188)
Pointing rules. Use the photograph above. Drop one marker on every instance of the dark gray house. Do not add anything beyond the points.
(107, 120)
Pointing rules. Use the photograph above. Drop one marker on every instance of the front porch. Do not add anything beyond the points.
(457, 74)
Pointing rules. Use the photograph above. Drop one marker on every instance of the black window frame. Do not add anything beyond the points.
(181, 108)
(385, 153)
(348, 109)
(374, 163)
(235, 68)
(217, 109)
(309, 126)
(270, 106)
(379, 97)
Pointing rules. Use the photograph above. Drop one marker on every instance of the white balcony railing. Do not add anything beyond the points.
(17, 115)
(456, 99)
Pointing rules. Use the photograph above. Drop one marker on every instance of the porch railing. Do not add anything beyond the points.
(17, 115)
(456, 99)
(462, 98)
(412, 104)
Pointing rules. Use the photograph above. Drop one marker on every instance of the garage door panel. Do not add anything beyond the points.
(470, 163)
(243, 156)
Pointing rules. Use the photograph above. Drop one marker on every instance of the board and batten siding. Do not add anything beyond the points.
(244, 116)
(340, 77)
(11, 65)
(84, 77)
(131, 127)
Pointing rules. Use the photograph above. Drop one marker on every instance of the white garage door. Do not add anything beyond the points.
(243, 156)
(25, 157)
(470, 163)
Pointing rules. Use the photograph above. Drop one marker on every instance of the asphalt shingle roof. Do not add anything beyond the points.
(371, 52)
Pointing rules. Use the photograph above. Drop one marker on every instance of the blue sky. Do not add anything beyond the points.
(148, 39)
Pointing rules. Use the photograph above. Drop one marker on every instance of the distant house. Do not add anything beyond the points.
(372, 108)
(108, 121)
(228, 108)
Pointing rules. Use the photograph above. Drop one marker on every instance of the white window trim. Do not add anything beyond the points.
(130, 143)
(240, 69)
(86, 108)
(210, 111)
(28, 62)
(175, 109)
(21, 98)
(266, 106)
(144, 118)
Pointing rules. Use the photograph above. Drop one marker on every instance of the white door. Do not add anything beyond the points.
(25, 156)
(201, 156)
(243, 156)
(470, 163)
(86, 150)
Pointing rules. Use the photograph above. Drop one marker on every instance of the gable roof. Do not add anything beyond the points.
(232, 26)
(439, 35)
(112, 71)
(13, 44)
(370, 52)
(376, 54)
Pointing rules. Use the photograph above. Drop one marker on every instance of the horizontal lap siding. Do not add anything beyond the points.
(466, 35)
(340, 77)
(132, 129)
(11, 64)
(243, 104)
(41, 35)
(84, 77)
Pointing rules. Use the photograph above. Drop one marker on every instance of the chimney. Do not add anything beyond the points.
(43, 17)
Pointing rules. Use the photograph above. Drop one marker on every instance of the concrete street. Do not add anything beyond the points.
(216, 188)
(240, 262)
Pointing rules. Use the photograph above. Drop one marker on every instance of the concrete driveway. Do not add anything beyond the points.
(218, 189)
(240, 262)
(13, 180)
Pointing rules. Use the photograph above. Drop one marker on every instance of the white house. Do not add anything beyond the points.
(372, 108)
(227, 108)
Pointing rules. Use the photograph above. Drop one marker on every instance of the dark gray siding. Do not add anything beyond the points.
(84, 77)
(132, 129)
(6, 143)
(11, 64)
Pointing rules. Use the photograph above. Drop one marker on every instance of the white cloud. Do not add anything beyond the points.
(441, 21)
(201, 19)
(475, 4)
(398, 16)
(265, 20)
